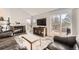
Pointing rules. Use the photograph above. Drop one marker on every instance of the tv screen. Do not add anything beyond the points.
(41, 22)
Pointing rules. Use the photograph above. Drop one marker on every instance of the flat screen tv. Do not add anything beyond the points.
(41, 22)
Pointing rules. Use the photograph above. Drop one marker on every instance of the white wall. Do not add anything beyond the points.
(75, 14)
(15, 14)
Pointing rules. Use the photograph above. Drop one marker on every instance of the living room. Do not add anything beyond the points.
(39, 29)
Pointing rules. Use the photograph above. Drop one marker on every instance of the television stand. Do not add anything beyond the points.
(41, 31)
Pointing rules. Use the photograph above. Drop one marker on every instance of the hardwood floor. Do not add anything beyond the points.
(8, 44)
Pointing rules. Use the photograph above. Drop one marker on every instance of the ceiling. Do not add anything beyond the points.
(37, 11)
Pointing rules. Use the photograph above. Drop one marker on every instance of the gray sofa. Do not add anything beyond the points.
(4, 34)
(64, 43)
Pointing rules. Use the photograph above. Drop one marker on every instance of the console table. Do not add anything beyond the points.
(18, 29)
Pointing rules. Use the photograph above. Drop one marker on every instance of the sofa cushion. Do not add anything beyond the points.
(5, 28)
(6, 34)
(70, 41)
(58, 46)
(77, 40)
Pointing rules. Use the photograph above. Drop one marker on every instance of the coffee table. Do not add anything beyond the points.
(34, 42)
(31, 39)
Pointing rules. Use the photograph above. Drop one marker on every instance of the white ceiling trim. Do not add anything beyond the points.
(37, 11)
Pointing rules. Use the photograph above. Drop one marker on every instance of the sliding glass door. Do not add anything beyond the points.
(61, 24)
(66, 23)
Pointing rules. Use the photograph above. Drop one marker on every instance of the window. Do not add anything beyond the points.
(61, 22)
(66, 22)
(28, 25)
(56, 23)
(34, 23)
